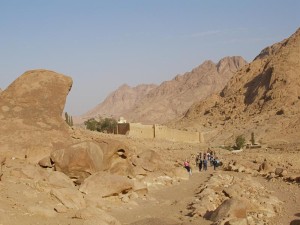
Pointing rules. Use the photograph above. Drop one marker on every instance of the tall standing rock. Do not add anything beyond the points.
(31, 123)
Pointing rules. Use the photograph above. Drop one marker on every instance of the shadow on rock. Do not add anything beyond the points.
(295, 222)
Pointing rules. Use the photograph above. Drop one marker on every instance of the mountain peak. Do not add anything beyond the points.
(262, 97)
(158, 104)
(230, 63)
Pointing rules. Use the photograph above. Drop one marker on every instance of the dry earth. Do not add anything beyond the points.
(27, 201)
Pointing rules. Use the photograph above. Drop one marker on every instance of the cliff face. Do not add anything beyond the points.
(158, 104)
(263, 96)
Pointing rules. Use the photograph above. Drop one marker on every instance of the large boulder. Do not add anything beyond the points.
(69, 197)
(31, 108)
(149, 160)
(85, 158)
(104, 184)
(233, 208)
(43, 179)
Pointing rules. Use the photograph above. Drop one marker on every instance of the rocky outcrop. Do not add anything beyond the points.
(262, 97)
(149, 160)
(103, 184)
(227, 199)
(69, 197)
(85, 158)
(31, 124)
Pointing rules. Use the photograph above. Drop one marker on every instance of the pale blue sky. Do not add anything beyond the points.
(104, 44)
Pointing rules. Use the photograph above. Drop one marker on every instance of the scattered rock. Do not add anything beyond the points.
(105, 184)
(69, 197)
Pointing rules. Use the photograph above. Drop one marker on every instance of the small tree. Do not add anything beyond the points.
(252, 139)
(91, 124)
(69, 119)
(240, 142)
(107, 125)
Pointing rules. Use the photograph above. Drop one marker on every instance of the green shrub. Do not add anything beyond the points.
(105, 125)
(240, 142)
(91, 124)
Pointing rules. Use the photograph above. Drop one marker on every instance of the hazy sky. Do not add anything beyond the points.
(104, 44)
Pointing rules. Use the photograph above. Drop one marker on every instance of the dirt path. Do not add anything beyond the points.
(168, 203)
(289, 194)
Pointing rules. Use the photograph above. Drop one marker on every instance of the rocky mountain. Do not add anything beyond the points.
(263, 97)
(120, 101)
(158, 104)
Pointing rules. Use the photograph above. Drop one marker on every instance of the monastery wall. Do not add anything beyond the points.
(141, 131)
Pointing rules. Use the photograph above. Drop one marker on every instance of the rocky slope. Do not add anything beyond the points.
(171, 98)
(263, 97)
(119, 102)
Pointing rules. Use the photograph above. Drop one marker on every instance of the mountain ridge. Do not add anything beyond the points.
(172, 98)
(263, 97)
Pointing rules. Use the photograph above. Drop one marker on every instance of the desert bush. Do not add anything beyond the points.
(240, 142)
(105, 125)
(91, 124)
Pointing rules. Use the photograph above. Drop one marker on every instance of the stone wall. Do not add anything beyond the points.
(160, 132)
(141, 131)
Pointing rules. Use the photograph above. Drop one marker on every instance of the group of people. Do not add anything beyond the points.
(202, 161)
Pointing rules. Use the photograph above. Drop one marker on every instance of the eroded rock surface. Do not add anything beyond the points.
(30, 115)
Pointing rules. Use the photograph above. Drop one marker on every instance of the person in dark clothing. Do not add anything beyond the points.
(200, 164)
(204, 164)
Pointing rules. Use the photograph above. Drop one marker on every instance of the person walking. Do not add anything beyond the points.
(197, 160)
(187, 166)
(204, 164)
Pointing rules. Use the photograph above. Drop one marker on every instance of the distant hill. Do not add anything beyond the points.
(158, 104)
(119, 102)
(263, 97)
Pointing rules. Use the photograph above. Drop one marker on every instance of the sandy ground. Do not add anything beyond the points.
(167, 205)
(171, 202)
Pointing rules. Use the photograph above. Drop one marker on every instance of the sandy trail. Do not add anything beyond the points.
(167, 203)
